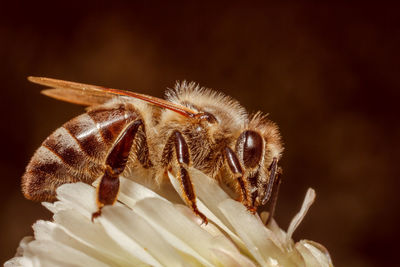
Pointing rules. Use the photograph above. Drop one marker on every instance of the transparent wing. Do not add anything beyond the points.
(86, 94)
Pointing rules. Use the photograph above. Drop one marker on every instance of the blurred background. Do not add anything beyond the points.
(327, 73)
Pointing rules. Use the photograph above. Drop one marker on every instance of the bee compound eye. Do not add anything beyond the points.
(252, 148)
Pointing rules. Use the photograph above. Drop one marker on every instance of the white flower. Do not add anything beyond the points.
(146, 229)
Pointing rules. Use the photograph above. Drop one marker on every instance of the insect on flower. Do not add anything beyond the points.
(125, 132)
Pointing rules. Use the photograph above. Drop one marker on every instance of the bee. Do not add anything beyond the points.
(124, 131)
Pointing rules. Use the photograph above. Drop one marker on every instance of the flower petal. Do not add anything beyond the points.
(94, 237)
(55, 233)
(127, 227)
(131, 192)
(78, 196)
(51, 253)
(227, 258)
(210, 195)
(19, 261)
(144, 228)
(314, 254)
(280, 235)
(179, 230)
(259, 240)
(56, 206)
(308, 201)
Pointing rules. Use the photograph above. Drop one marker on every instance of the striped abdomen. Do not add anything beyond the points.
(76, 151)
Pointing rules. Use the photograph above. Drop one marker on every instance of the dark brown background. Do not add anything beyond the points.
(328, 74)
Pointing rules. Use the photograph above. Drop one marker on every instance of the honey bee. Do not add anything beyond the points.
(123, 131)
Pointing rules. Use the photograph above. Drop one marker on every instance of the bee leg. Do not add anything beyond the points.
(236, 169)
(183, 158)
(108, 188)
(274, 196)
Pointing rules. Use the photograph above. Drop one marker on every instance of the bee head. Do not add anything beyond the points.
(259, 149)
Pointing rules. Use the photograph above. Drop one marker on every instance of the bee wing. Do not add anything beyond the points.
(86, 94)
(76, 97)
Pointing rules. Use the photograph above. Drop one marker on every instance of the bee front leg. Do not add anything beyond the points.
(107, 190)
(237, 171)
(182, 154)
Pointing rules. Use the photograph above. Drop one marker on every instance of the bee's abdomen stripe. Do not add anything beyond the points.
(63, 145)
(75, 152)
(110, 122)
(85, 133)
(44, 173)
(34, 186)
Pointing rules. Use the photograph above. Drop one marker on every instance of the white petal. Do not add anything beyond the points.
(51, 253)
(259, 240)
(23, 244)
(56, 206)
(19, 261)
(131, 192)
(78, 196)
(137, 230)
(308, 201)
(314, 254)
(227, 258)
(55, 233)
(179, 230)
(125, 241)
(209, 196)
(279, 234)
(210, 193)
(94, 237)
(225, 244)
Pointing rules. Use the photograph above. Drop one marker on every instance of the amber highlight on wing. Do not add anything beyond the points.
(93, 94)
